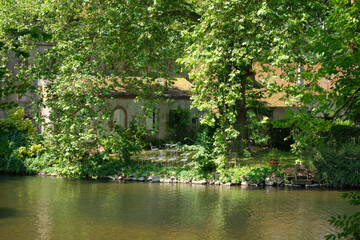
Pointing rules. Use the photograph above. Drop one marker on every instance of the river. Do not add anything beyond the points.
(33, 207)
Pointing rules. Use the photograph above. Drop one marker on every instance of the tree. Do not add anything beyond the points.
(333, 55)
(97, 46)
(13, 46)
(222, 41)
(230, 38)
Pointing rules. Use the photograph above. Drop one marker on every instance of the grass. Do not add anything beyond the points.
(261, 158)
(254, 167)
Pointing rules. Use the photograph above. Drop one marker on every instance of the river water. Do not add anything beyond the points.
(33, 207)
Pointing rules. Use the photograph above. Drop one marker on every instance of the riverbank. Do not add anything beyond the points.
(233, 176)
(269, 182)
(265, 167)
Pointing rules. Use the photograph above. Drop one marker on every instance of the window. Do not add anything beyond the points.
(21, 97)
(151, 121)
(119, 117)
(195, 121)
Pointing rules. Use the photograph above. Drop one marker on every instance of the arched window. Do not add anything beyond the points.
(120, 116)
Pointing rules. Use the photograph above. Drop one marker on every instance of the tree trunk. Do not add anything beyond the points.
(241, 141)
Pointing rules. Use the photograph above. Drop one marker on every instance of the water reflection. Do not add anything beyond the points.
(8, 213)
(49, 208)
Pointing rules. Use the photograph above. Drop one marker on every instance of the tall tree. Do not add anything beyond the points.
(231, 37)
(97, 46)
(115, 40)
(334, 55)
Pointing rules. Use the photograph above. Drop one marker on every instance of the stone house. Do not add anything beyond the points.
(125, 109)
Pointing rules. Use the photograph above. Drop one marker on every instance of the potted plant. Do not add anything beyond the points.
(273, 158)
(274, 162)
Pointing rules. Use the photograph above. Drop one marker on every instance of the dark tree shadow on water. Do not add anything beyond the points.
(8, 213)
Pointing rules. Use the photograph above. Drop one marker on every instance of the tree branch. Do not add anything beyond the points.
(174, 13)
(350, 100)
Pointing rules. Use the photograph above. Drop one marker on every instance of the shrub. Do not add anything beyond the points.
(16, 134)
(202, 159)
(187, 174)
(11, 139)
(39, 163)
(337, 166)
(239, 173)
(137, 134)
(123, 143)
(279, 136)
(341, 134)
(12, 164)
(259, 174)
(179, 124)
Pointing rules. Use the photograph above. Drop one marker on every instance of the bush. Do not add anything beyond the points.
(12, 164)
(337, 166)
(11, 139)
(341, 134)
(259, 174)
(39, 163)
(179, 124)
(280, 136)
(16, 134)
(123, 143)
(202, 159)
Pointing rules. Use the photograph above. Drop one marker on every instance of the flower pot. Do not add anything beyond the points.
(274, 162)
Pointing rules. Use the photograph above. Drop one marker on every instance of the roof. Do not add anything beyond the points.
(172, 88)
(276, 99)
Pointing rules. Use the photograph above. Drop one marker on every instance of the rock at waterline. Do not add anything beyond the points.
(312, 185)
(154, 178)
(226, 184)
(200, 182)
(141, 179)
(269, 183)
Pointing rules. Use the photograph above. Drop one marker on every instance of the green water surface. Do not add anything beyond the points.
(34, 207)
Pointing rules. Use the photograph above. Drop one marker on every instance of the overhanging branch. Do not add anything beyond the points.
(177, 12)
(348, 103)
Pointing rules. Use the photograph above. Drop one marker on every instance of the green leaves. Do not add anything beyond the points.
(350, 225)
(230, 37)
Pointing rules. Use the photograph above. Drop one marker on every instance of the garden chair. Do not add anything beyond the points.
(153, 148)
(184, 158)
(173, 155)
(152, 156)
(161, 157)
(232, 158)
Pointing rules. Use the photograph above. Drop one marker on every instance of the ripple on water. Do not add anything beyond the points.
(46, 208)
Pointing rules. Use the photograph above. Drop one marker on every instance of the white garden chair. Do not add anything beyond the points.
(173, 155)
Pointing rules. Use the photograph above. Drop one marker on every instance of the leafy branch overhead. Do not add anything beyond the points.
(350, 225)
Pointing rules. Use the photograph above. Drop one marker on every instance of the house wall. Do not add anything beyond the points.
(132, 109)
(24, 100)
(279, 113)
